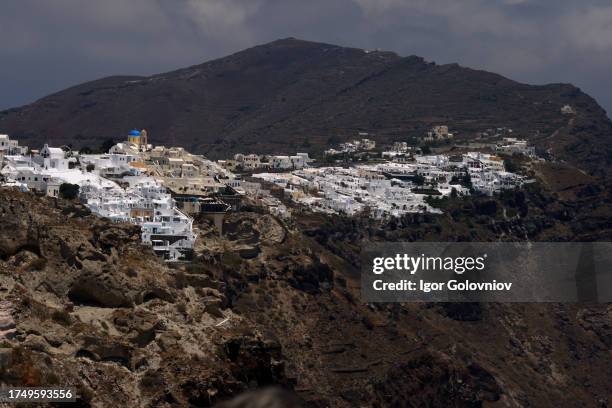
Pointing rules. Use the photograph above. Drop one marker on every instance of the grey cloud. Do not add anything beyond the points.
(50, 45)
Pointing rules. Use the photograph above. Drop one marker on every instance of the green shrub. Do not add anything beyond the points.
(69, 191)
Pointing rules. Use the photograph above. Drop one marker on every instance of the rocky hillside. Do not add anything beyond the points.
(82, 302)
(292, 94)
(85, 304)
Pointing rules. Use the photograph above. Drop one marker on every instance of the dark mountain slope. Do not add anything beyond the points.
(292, 94)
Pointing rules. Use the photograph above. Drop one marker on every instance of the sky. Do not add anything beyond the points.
(46, 46)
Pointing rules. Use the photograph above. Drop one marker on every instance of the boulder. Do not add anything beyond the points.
(7, 323)
(101, 289)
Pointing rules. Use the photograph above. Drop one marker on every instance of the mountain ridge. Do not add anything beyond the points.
(294, 94)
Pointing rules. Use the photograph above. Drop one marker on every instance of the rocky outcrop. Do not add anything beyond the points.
(311, 277)
(100, 288)
(82, 302)
(7, 323)
(598, 322)
(433, 379)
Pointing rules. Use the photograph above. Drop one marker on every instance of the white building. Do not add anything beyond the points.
(52, 158)
(124, 148)
(248, 161)
(438, 133)
(352, 147)
(52, 187)
(568, 110)
(488, 175)
(365, 144)
(400, 147)
(280, 162)
(298, 161)
(512, 145)
(11, 147)
(111, 164)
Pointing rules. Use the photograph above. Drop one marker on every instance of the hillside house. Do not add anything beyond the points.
(512, 145)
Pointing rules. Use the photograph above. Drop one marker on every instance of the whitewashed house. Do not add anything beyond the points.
(512, 145)
(281, 162)
(52, 158)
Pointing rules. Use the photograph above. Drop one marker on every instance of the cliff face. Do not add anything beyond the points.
(268, 304)
(292, 94)
(94, 309)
